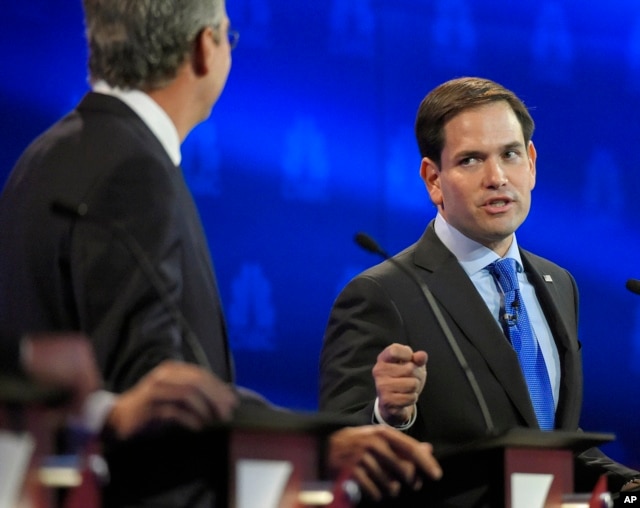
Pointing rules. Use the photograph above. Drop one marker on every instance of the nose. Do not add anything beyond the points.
(495, 175)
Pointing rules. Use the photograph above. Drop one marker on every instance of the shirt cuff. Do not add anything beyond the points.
(377, 417)
(95, 411)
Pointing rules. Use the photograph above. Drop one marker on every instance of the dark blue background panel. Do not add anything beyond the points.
(312, 141)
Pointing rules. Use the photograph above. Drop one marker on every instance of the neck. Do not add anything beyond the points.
(180, 100)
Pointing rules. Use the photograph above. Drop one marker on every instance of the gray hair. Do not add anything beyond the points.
(140, 44)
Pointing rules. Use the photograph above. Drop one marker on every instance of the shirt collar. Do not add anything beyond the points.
(151, 114)
(470, 254)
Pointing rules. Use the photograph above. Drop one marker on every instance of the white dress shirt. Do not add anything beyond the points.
(474, 259)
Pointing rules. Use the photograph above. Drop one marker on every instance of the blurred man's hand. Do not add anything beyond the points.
(173, 392)
(381, 459)
(64, 360)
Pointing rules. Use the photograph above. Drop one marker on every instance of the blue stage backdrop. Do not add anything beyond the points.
(312, 141)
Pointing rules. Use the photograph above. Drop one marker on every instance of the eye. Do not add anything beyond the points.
(512, 155)
(469, 161)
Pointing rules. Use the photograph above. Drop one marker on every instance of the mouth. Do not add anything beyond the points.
(498, 204)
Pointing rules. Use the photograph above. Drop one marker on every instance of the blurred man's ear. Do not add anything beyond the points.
(202, 46)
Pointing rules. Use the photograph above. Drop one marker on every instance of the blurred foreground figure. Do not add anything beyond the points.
(101, 236)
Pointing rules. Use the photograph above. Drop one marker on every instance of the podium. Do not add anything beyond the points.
(264, 457)
(30, 416)
(520, 463)
(495, 471)
(281, 452)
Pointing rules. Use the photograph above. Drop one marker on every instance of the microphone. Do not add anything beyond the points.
(511, 319)
(81, 212)
(369, 244)
(633, 285)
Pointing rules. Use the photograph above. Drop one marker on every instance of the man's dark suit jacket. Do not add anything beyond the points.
(383, 305)
(60, 273)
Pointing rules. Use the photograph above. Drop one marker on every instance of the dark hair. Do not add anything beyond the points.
(141, 44)
(455, 96)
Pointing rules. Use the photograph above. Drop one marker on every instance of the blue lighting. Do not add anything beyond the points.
(312, 141)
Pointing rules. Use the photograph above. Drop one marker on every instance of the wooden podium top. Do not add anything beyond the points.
(522, 437)
(21, 391)
(269, 418)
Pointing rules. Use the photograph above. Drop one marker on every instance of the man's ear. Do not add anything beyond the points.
(430, 174)
(201, 52)
(533, 155)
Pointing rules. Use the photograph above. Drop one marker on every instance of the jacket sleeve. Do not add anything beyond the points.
(593, 463)
(363, 321)
(118, 306)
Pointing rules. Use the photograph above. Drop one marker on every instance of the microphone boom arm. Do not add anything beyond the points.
(81, 212)
(368, 243)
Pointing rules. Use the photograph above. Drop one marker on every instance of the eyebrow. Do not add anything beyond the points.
(475, 152)
(465, 154)
(515, 144)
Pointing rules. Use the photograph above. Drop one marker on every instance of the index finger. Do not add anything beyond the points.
(396, 353)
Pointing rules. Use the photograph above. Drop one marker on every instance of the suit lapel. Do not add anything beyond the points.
(556, 310)
(448, 281)
(549, 297)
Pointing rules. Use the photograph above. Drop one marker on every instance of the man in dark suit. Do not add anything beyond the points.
(479, 167)
(100, 235)
(117, 155)
(116, 158)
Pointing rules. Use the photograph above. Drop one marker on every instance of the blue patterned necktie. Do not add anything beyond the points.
(524, 342)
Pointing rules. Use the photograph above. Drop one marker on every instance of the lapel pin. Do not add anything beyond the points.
(547, 278)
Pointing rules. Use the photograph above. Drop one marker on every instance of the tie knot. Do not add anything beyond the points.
(504, 271)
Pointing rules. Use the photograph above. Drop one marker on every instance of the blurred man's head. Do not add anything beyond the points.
(141, 44)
